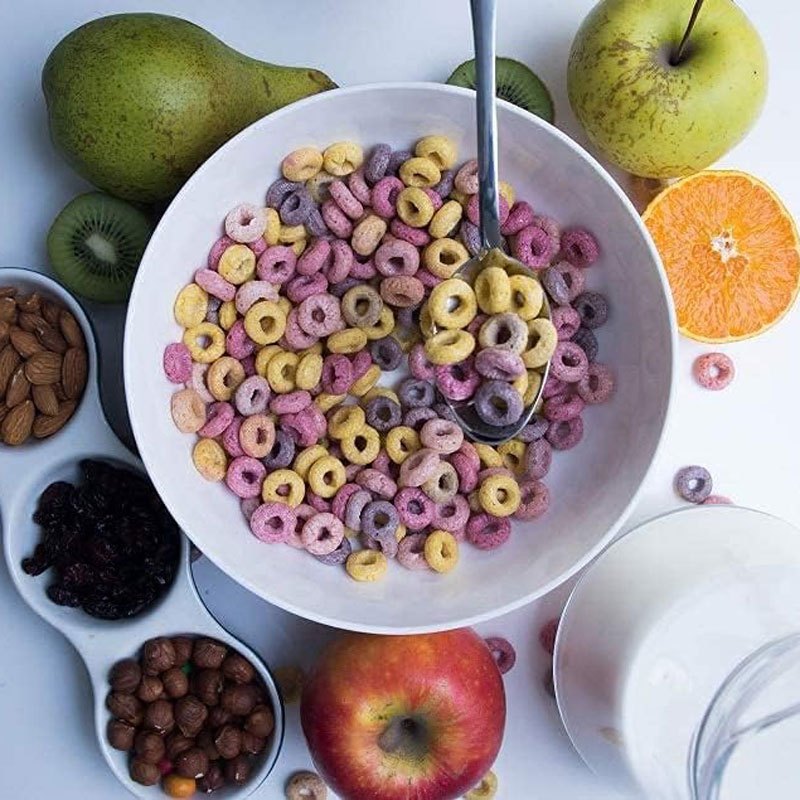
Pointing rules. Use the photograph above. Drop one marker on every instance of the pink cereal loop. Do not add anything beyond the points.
(342, 263)
(714, 371)
(294, 336)
(253, 291)
(474, 212)
(315, 258)
(419, 237)
(435, 198)
(361, 361)
(566, 321)
(466, 179)
(519, 216)
(245, 476)
(363, 269)
(197, 381)
(290, 403)
(215, 284)
(345, 199)
(218, 417)
(273, 523)
(276, 264)
(384, 196)
(359, 187)
(177, 363)
(230, 439)
(302, 286)
(217, 249)
(237, 343)
(336, 220)
(397, 257)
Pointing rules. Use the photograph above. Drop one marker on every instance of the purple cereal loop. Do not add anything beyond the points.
(294, 336)
(315, 225)
(569, 362)
(337, 556)
(563, 407)
(435, 198)
(535, 500)
(418, 363)
(396, 160)
(290, 403)
(353, 508)
(382, 463)
(553, 386)
(315, 258)
(339, 502)
(597, 385)
(419, 237)
(345, 199)
(383, 414)
(273, 522)
(467, 472)
(237, 343)
(566, 320)
(282, 453)
(386, 353)
(215, 284)
(498, 404)
(574, 278)
(533, 247)
(470, 237)
(361, 361)
(396, 257)
(276, 264)
(217, 249)
(377, 482)
(248, 505)
(336, 220)
(362, 269)
(253, 291)
(377, 162)
(565, 434)
(337, 373)
(487, 532)
(320, 315)
(427, 278)
(415, 393)
(296, 207)
(245, 476)
(445, 185)
(519, 216)
(411, 552)
(503, 653)
(452, 515)
(534, 430)
(316, 502)
(342, 263)
(468, 450)
(538, 458)
(177, 361)
(384, 196)
(579, 247)
(418, 467)
(442, 436)
(414, 507)
(278, 191)
(497, 363)
(555, 285)
(358, 186)
(218, 416)
(416, 417)
(694, 483)
(307, 426)
(230, 438)
(474, 211)
(593, 309)
(302, 287)
(379, 521)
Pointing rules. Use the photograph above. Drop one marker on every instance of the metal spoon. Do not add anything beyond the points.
(484, 23)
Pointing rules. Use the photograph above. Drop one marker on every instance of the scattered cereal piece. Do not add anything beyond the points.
(503, 653)
(290, 679)
(714, 371)
(693, 483)
(547, 635)
(485, 790)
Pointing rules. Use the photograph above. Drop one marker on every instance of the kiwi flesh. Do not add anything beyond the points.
(516, 83)
(95, 245)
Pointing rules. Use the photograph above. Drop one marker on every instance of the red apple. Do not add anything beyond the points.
(404, 717)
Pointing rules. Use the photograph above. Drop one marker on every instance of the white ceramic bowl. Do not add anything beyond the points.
(593, 486)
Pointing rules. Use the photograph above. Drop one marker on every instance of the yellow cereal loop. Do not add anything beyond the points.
(488, 455)
(527, 296)
(485, 790)
(379, 391)
(237, 264)
(326, 476)
(366, 381)
(273, 227)
(305, 458)
(191, 306)
(285, 304)
(342, 158)
(318, 186)
(443, 257)
(461, 198)
(521, 384)
(367, 235)
(206, 342)
(414, 207)
(499, 495)
(493, 290)
(532, 390)
(542, 342)
(474, 502)
(298, 247)
(309, 371)
(401, 532)
(265, 322)
(223, 378)
(289, 234)
(439, 149)
(362, 447)
(401, 442)
(281, 370)
(366, 565)
(441, 551)
(449, 347)
(346, 421)
(263, 357)
(350, 340)
(227, 314)
(326, 401)
(210, 459)
(507, 192)
(383, 327)
(302, 164)
(446, 219)
(420, 172)
(426, 323)
(513, 455)
(283, 486)
(315, 349)
(452, 304)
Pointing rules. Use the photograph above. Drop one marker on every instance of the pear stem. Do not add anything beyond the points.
(677, 56)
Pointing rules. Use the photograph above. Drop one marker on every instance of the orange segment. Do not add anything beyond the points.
(731, 252)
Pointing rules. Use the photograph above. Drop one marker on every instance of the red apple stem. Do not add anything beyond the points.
(679, 53)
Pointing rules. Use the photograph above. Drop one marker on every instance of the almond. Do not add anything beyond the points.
(71, 330)
(30, 303)
(5, 333)
(44, 398)
(25, 343)
(30, 322)
(59, 392)
(3, 411)
(44, 367)
(17, 425)
(45, 426)
(8, 309)
(51, 339)
(51, 312)
(74, 372)
(18, 387)
(9, 359)
(8, 291)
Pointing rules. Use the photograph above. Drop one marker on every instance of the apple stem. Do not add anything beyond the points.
(677, 57)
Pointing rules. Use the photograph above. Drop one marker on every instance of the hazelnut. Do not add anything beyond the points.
(205, 741)
(183, 649)
(252, 744)
(208, 684)
(125, 676)
(238, 699)
(212, 780)
(218, 716)
(237, 770)
(120, 734)
(144, 772)
(260, 722)
(159, 717)
(209, 653)
(190, 714)
(149, 747)
(158, 656)
(150, 689)
(238, 669)
(176, 684)
(176, 744)
(125, 707)
(192, 763)
(228, 741)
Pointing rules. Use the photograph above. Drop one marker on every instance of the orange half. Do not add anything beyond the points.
(731, 252)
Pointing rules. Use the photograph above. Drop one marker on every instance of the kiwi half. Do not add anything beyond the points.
(95, 245)
(516, 83)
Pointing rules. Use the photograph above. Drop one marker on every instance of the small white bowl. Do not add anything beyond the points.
(593, 486)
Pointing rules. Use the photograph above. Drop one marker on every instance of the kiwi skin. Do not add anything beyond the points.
(95, 245)
(516, 82)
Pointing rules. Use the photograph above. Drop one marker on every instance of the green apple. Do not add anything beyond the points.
(651, 113)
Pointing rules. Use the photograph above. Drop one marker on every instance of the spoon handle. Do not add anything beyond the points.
(484, 24)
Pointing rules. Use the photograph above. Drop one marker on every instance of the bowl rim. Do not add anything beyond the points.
(139, 426)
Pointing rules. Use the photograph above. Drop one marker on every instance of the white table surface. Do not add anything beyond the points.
(747, 436)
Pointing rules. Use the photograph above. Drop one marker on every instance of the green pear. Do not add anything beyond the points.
(136, 102)
(651, 113)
